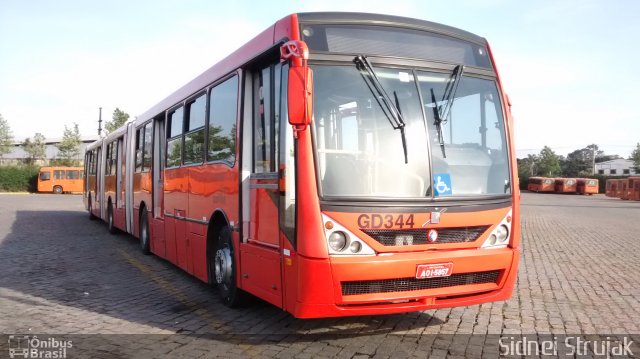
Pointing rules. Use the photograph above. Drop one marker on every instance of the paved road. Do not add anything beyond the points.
(64, 275)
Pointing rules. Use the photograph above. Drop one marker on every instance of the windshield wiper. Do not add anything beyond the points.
(390, 109)
(442, 113)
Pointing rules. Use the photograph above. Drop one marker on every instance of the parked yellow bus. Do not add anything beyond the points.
(60, 179)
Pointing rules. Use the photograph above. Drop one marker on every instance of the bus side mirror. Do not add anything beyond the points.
(299, 87)
(300, 96)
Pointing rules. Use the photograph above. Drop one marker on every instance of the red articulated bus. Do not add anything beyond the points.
(566, 185)
(326, 168)
(541, 184)
(587, 186)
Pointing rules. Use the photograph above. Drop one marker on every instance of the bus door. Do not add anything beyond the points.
(99, 177)
(261, 259)
(158, 242)
(176, 186)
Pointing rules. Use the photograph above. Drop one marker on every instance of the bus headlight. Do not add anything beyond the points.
(502, 233)
(499, 237)
(338, 241)
(342, 242)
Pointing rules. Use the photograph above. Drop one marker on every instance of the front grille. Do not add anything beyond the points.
(411, 284)
(404, 237)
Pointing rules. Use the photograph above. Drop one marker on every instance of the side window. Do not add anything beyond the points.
(262, 122)
(73, 174)
(114, 157)
(58, 174)
(196, 111)
(222, 121)
(45, 176)
(107, 165)
(139, 144)
(146, 157)
(174, 137)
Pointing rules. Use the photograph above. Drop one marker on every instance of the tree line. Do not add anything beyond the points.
(68, 148)
(579, 163)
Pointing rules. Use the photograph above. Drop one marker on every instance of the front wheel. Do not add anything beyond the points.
(57, 190)
(225, 270)
(144, 232)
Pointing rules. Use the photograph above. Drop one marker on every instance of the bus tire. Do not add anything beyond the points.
(144, 231)
(110, 225)
(225, 269)
(57, 190)
(91, 215)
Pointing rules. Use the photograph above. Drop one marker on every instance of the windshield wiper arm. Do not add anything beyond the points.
(442, 113)
(449, 94)
(390, 109)
(438, 122)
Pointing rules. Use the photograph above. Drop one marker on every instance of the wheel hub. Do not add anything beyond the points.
(223, 266)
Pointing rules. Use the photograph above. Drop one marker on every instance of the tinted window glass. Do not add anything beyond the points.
(148, 133)
(73, 175)
(174, 152)
(58, 174)
(139, 144)
(262, 122)
(196, 113)
(45, 176)
(194, 147)
(175, 123)
(222, 121)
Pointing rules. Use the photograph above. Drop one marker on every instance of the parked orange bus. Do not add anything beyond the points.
(635, 191)
(611, 187)
(621, 190)
(587, 186)
(541, 184)
(326, 168)
(60, 179)
(566, 185)
(629, 191)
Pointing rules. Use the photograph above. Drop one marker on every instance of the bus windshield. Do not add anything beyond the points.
(360, 155)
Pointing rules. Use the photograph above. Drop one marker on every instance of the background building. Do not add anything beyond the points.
(18, 156)
(618, 167)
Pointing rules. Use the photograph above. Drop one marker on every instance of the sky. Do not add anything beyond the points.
(567, 66)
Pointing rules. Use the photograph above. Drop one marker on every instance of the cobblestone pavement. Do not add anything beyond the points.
(64, 275)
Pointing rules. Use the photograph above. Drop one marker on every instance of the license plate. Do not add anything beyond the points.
(434, 270)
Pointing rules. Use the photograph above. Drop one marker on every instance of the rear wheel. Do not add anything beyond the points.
(144, 232)
(224, 270)
(110, 225)
(91, 215)
(57, 190)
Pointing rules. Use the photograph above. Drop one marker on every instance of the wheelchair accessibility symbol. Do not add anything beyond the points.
(442, 184)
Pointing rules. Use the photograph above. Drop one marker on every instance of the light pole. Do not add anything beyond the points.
(100, 121)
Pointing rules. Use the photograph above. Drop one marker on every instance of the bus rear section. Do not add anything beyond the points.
(621, 189)
(629, 192)
(60, 180)
(566, 185)
(541, 184)
(635, 193)
(588, 186)
(611, 187)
